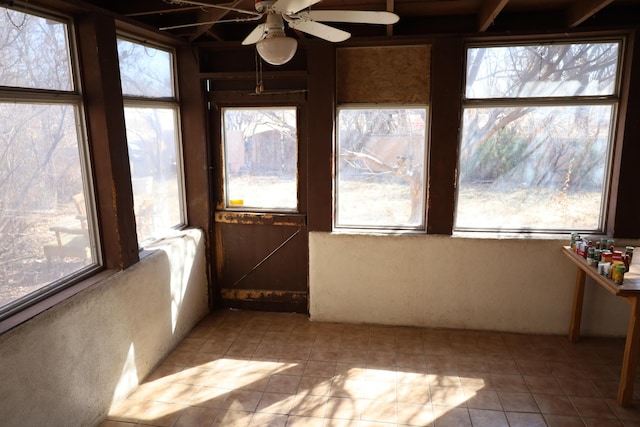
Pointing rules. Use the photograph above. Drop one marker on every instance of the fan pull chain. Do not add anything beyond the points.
(259, 83)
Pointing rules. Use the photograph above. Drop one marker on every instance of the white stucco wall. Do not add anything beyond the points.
(67, 366)
(520, 285)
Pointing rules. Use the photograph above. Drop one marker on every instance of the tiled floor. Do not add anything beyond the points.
(240, 368)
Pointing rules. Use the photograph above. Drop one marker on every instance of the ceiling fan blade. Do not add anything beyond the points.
(256, 35)
(320, 30)
(355, 16)
(292, 6)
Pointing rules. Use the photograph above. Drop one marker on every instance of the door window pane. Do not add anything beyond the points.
(381, 168)
(44, 229)
(153, 157)
(260, 158)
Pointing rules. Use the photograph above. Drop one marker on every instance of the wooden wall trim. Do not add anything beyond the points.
(107, 138)
(321, 110)
(194, 141)
(447, 65)
(624, 203)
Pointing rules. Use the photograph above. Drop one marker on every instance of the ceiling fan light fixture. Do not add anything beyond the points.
(277, 50)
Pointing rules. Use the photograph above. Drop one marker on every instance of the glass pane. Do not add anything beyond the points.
(542, 71)
(381, 168)
(145, 71)
(44, 232)
(261, 158)
(539, 168)
(33, 52)
(153, 148)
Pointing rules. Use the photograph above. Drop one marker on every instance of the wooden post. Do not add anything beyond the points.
(630, 361)
(576, 314)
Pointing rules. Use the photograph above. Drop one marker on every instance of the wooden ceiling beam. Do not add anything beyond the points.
(488, 12)
(208, 16)
(581, 10)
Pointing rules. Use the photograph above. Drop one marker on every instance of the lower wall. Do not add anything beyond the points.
(515, 285)
(67, 366)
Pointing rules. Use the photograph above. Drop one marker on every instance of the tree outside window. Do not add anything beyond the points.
(536, 136)
(380, 171)
(46, 228)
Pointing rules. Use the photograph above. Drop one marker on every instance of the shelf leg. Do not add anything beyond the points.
(576, 313)
(630, 361)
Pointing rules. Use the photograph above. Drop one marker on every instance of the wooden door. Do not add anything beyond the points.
(260, 224)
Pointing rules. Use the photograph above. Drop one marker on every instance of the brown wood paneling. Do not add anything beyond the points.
(321, 112)
(390, 74)
(446, 104)
(107, 138)
(194, 142)
(624, 203)
(268, 259)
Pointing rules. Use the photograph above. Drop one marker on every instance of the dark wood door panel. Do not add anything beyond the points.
(262, 261)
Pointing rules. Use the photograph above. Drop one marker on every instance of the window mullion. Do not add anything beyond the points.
(540, 102)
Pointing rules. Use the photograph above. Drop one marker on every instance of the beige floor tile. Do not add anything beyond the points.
(275, 403)
(314, 368)
(315, 386)
(447, 416)
(563, 421)
(160, 413)
(592, 407)
(110, 423)
(128, 411)
(520, 419)
(543, 384)
(603, 422)
(344, 408)
(177, 393)
(283, 384)
(210, 397)
(414, 393)
(242, 400)
(509, 382)
(578, 387)
(518, 401)
(296, 421)
(231, 418)
(448, 396)
(381, 374)
(197, 417)
(385, 412)
(484, 400)
(268, 420)
(332, 422)
(309, 406)
(553, 404)
(415, 414)
(248, 369)
(488, 418)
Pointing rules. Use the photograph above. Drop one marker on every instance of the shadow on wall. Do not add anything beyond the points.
(71, 363)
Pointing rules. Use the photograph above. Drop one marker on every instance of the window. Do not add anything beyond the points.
(537, 132)
(47, 232)
(151, 117)
(380, 173)
(260, 158)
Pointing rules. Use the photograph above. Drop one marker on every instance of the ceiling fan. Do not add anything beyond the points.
(269, 37)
